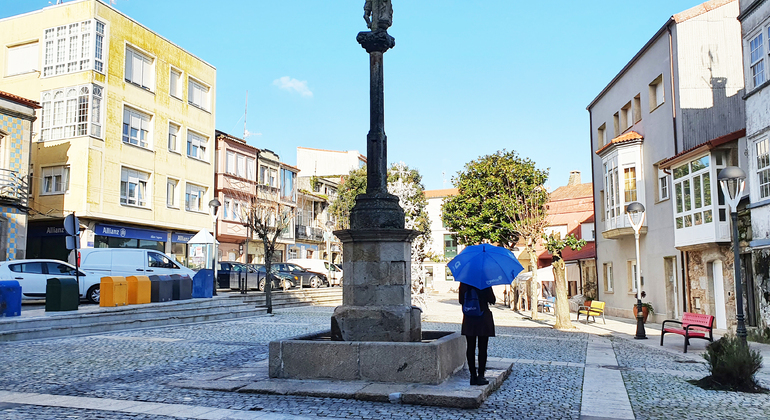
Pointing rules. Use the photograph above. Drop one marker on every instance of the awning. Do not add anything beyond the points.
(202, 237)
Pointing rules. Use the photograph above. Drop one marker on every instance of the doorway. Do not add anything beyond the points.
(672, 292)
(719, 294)
(747, 282)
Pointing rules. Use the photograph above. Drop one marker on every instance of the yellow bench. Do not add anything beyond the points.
(596, 308)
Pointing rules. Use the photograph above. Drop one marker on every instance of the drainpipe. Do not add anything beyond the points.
(673, 94)
(685, 282)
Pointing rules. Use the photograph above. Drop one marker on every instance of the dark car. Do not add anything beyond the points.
(279, 279)
(229, 272)
(301, 276)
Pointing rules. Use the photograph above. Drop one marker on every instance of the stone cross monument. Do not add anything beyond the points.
(376, 300)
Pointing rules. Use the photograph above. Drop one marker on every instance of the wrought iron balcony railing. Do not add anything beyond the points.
(14, 189)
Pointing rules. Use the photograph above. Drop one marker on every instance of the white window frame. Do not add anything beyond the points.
(73, 111)
(251, 169)
(195, 197)
(173, 136)
(627, 190)
(140, 181)
(50, 185)
(175, 83)
(74, 47)
(633, 272)
(140, 68)
(226, 208)
(230, 162)
(762, 159)
(198, 93)
(612, 193)
(687, 213)
(134, 119)
(609, 281)
(22, 59)
(664, 186)
(588, 232)
(240, 167)
(756, 55)
(172, 193)
(197, 145)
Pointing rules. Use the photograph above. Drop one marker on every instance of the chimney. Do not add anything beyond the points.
(574, 178)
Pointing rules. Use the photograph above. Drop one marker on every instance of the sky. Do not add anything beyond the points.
(466, 78)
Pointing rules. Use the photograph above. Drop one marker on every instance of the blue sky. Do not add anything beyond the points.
(466, 78)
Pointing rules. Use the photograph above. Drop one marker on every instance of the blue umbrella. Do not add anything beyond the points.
(485, 265)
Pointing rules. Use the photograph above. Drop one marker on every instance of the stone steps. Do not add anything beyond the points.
(93, 320)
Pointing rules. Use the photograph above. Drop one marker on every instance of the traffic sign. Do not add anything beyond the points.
(72, 225)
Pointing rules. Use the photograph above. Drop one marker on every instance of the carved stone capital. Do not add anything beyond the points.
(377, 211)
(376, 41)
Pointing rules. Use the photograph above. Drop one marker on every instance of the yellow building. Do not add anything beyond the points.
(125, 136)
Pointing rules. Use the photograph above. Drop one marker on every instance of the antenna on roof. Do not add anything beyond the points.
(247, 133)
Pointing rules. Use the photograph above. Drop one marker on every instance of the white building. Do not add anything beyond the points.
(326, 163)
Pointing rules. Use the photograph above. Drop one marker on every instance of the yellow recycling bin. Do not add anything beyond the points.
(114, 291)
(139, 289)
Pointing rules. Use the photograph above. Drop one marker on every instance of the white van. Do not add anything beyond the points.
(126, 262)
(333, 273)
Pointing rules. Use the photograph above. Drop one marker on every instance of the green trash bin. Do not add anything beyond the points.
(61, 294)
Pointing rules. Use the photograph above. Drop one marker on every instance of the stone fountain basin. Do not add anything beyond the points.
(315, 356)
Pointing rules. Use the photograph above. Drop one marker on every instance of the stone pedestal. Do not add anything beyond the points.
(376, 296)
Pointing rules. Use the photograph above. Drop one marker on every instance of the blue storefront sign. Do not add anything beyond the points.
(181, 237)
(131, 233)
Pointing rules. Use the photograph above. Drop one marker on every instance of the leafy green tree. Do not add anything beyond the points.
(555, 244)
(483, 210)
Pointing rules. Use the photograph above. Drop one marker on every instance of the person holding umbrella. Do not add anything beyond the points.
(478, 268)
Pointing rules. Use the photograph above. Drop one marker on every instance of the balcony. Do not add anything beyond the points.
(623, 183)
(309, 233)
(14, 190)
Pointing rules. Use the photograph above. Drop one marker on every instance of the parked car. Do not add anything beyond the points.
(279, 278)
(229, 273)
(302, 276)
(320, 266)
(33, 276)
(100, 262)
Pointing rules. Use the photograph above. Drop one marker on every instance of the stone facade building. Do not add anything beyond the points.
(660, 132)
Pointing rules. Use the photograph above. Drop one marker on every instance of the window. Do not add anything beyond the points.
(637, 108)
(55, 180)
(626, 116)
(561, 230)
(609, 283)
(450, 246)
(287, 185)
(663, 188)
(194, 197)
(616, 121)
(71, 48)
(241, 166)
(633, 274)
(136, 128)
(267, 176)
(251, 169)
(587, 232)
(197, 94)
(629, 184)
(692, 193)
(133, 187)
(71, 112)
(196, 145)
(22, 59)
(139, 69)
(171, 200)
(173, 135)
(227, 206)
(763, 168)
(656, 93)
(612, 209)
(175, 83)
(757, 60)
(230, 163)
(601, 135)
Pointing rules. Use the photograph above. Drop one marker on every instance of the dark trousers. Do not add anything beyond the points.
(470, 354)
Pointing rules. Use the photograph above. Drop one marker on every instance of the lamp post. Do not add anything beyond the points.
(635, 213)
(732, 179)
(214, 207)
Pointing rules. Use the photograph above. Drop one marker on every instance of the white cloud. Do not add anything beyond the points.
(291, 84)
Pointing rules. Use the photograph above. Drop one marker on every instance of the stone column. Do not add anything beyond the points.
(376, 291)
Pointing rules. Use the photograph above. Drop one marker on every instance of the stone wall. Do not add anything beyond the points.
(701, 281)
(762, 283)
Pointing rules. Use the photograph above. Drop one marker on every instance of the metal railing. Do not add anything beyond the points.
(309, 233)
(13, 188)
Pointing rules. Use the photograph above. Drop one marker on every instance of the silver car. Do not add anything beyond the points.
(33, 276)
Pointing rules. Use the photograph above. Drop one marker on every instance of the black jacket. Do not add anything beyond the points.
(483, 325)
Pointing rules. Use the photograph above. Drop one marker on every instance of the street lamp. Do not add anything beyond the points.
(214, 207)
(635, 212)
(732, 179)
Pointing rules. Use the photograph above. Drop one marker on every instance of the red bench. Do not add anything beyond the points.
(691, 326)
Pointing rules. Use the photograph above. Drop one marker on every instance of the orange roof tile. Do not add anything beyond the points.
(441, 193)
(630, 136)
(572, 191)
(699, 10)
(24, 101)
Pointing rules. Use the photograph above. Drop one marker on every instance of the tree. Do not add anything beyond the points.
(268, 217)
(406, 184)
(528, 215)
(478, 213)
(555, 245)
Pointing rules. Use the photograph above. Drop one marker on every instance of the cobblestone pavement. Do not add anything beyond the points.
(137, 365)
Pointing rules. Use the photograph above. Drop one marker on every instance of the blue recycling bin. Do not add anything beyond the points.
(203, 284)
(10, 298)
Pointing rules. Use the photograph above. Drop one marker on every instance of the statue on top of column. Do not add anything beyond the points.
(378, 14)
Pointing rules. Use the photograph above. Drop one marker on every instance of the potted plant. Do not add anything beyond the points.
(647, 308)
